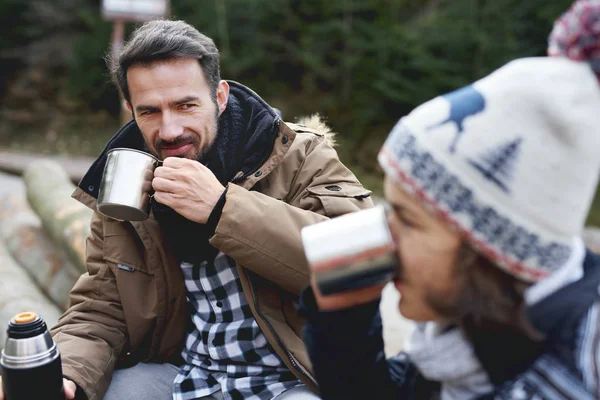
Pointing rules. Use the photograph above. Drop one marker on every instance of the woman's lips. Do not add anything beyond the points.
(398, 283)
(176, 151)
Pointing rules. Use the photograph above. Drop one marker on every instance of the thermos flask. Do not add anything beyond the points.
(30, 361)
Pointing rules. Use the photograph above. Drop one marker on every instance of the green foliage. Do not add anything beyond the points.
(365, 63)
(88, 76)
(377, 58)
(361, 63)
(13, 33)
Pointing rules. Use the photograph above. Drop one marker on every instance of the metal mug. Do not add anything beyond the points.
(351, 251)
(30, 361)
(126, 185)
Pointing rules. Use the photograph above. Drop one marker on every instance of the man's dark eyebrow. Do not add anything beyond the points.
(145, 108)
(186, 99)
(183, 100)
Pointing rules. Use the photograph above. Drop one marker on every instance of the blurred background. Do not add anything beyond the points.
(361, 64)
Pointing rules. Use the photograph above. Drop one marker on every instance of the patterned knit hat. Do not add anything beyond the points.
(511, 161)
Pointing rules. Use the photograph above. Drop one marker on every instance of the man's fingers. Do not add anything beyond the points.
(173, 162)
(160, 184)
(70, 388)
(165, 198)
(178, 162)
(166, 172)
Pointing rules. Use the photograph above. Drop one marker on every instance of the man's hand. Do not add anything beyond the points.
(347, 299)
(188, 187)
(69, 386)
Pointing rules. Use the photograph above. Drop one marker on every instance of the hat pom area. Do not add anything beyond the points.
(576, 34)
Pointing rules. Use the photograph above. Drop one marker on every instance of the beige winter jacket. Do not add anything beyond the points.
(120, 317)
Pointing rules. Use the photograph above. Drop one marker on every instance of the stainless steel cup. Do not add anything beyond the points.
(351, 251)
(30, 361)
(127, 184)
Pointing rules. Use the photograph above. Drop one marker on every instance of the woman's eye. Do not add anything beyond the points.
(406, 222)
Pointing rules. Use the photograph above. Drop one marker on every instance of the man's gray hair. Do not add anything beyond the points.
(162, 40)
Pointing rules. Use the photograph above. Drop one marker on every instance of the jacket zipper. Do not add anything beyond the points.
(255, 296)
(277, 338)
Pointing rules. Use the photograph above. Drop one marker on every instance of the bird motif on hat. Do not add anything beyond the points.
(464, 102)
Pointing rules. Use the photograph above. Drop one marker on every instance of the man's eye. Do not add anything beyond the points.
(188, 106)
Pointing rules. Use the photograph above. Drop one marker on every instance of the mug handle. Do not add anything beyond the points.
(157, 163)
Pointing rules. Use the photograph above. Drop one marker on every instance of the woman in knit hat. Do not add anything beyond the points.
(489, 188)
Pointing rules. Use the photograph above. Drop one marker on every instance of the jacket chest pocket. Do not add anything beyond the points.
(124, 249)
(341, 198)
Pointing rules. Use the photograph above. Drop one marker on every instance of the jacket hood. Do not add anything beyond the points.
(262, 128)
(316, 123)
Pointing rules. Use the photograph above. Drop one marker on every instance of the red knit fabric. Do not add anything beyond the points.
(576, 34)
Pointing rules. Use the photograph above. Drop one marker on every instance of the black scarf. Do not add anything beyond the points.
(245, 137)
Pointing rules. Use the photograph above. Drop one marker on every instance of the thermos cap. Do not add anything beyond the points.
(25, 325)
(28, 342)
(25, 317)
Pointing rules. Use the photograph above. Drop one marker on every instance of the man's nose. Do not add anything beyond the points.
(170, 128)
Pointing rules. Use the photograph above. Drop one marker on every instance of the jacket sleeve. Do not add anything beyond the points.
(263, 233)
(92, 332)
(347, 354)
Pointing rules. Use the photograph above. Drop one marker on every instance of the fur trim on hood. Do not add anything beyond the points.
(316, 123)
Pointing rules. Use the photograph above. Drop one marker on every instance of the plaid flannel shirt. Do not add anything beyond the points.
(226, 350)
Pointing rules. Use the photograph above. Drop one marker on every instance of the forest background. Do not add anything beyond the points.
(361, 64)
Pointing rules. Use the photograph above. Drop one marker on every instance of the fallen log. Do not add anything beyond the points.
(16, 163)
(66, 221)
(18, 293)
(28, 244)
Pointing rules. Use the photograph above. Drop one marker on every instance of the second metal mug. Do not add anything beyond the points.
(127, 184)
(352, 251)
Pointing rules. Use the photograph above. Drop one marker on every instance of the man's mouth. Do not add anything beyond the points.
(177, 150)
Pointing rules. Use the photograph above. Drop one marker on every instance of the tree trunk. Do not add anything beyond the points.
(22, 232)
(18, 293)
(66, 221)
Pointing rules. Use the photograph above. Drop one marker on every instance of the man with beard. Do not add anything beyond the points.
(199, 300)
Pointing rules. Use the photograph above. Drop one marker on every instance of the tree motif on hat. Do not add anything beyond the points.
(464, 103)
(498, 164)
